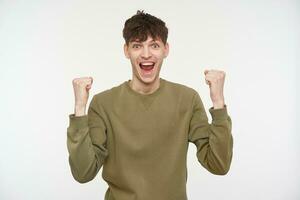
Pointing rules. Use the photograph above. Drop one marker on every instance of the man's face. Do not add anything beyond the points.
(146, 58)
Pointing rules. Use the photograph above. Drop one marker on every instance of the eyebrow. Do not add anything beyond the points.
(140, 42)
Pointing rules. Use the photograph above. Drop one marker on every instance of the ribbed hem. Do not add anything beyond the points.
(218, 114)
(78, 122)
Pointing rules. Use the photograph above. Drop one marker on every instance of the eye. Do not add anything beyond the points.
(155, 45)
(135, 46)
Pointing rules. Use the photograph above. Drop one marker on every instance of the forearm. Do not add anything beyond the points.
(218, 104)
(82, 159)
(219, 148)
(214, 142)
(79, 110)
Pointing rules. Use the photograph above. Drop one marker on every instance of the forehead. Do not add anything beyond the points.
(149, 39)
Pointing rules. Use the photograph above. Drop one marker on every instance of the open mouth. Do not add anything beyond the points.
(147, 65)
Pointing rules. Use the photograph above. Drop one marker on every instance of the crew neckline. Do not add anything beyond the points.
(156, 92)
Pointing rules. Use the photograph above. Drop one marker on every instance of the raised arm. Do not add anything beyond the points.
(86, 139)
(214, 141)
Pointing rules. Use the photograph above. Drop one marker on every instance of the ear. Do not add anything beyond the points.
(125, 48)
(166, 49)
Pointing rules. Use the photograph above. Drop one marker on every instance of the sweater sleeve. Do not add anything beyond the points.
(214, 141)
(86, 143)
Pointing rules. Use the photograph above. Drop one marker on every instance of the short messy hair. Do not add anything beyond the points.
(140, 25)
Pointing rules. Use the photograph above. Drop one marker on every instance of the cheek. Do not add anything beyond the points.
(160, 58)
(159, 55)
(134, 58)
(134, 63)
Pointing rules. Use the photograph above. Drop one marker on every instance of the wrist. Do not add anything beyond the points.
(79, 110)
(218, 104)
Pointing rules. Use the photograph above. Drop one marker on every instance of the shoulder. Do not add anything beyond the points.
(107, 95)
(180, 88)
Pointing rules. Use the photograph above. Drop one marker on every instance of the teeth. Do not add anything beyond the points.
(147, 63)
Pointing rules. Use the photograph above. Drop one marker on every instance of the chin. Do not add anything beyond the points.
(147, 80)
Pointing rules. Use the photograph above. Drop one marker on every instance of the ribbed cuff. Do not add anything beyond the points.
(219, 113)
(78, 122)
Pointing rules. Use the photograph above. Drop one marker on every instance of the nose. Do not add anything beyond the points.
(146, 53)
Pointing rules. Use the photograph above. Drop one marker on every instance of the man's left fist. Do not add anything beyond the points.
(215, 79)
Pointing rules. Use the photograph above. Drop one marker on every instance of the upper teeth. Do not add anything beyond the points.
(149, 63)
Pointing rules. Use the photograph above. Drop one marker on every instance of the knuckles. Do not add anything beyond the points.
(216, 74)
(82, 81)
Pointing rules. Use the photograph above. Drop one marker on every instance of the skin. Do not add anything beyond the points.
(81, 88)
(215, 79)
(149, 50)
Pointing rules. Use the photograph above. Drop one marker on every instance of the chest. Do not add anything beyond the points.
(139, 127)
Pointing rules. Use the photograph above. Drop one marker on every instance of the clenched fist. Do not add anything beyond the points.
(81, 88)
(215, 79)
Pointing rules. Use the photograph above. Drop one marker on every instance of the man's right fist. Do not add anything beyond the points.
(81, 88)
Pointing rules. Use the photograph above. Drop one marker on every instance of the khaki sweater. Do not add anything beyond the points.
(141, 140)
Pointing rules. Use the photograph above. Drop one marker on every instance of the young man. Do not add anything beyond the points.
(139, 131)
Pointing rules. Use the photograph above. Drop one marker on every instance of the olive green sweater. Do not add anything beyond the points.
(141, 140)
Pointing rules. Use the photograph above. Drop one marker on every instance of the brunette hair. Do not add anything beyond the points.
(140, 25)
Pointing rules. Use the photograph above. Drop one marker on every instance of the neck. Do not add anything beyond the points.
(144, 88)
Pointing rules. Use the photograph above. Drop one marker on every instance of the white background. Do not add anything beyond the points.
(45, 44)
